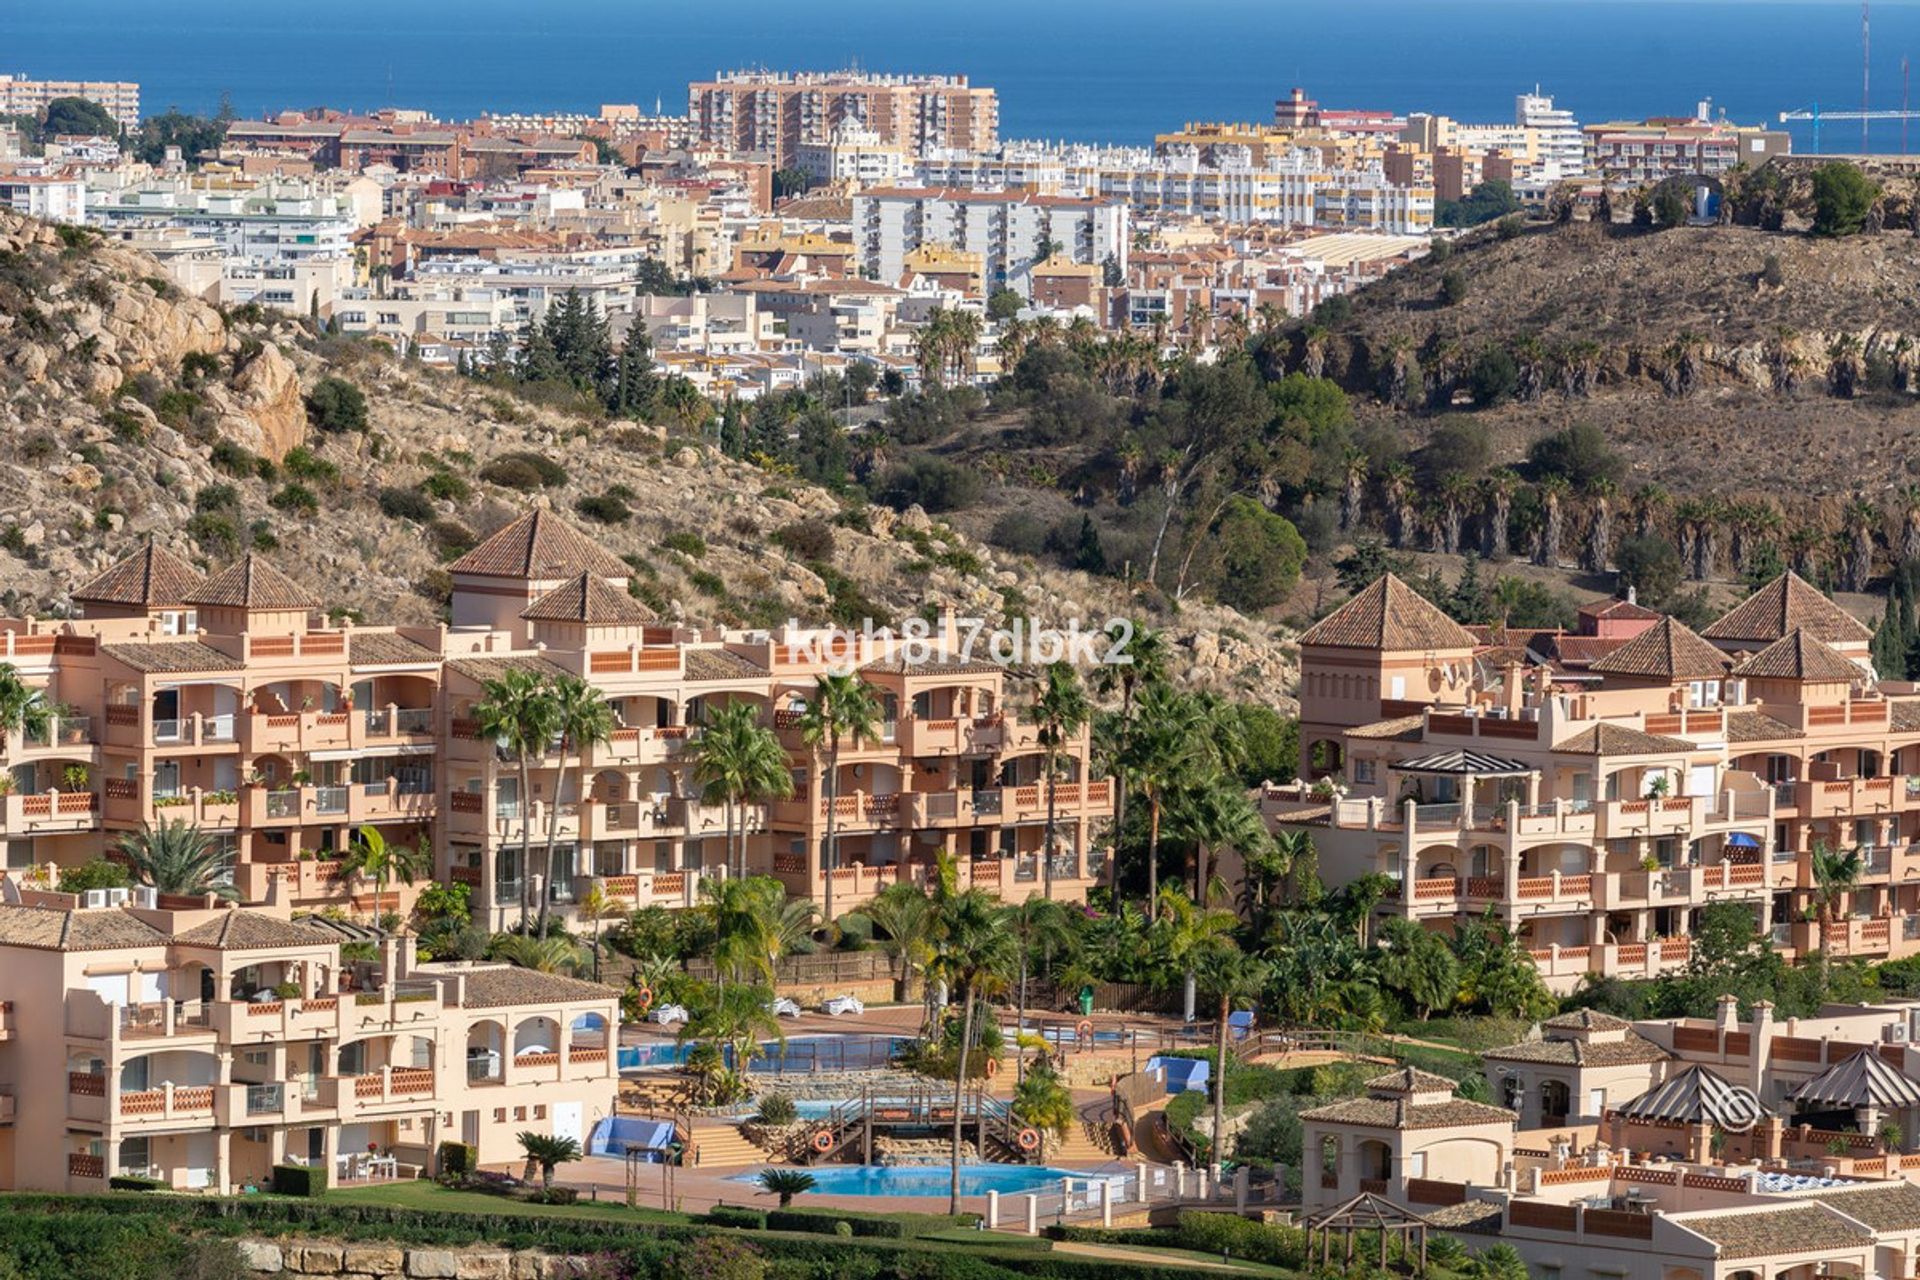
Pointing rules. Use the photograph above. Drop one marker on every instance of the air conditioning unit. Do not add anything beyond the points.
(1896, 1033)
(118, 897)
(146, 895)
(94, 898)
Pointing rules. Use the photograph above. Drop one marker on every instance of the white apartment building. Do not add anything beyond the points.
(1561, 144)
(48, 197)
(532, 281)
(854, 155)
(1008, 229)
(20, 96)
(423, 318)
(704, 323)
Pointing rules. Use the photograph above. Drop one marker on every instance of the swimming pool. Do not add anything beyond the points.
(934, 1179)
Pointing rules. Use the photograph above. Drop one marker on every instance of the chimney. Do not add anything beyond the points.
(1633, 595)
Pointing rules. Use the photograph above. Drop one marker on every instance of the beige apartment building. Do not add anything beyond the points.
(20, 96)
(231, 702)
(199, 1044)
(777, 113)
(1598, 789)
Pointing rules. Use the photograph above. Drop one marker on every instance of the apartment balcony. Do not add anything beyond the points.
(627, 748)
(133, 726)
(294, 732)
(1000, 806)
(67, 737)
(1848, 797)
(857, 883)
(165, 1106)
(381, 1094)
(1853, 937)
(1614, 959)
(49, 813)
(652, 889)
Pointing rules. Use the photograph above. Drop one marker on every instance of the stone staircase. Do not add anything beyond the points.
(722, 1146)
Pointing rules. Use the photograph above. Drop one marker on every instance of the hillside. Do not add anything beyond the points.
(126, 411)
(1716, 358)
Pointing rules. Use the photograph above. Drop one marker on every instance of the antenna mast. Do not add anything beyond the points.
(1866, 66)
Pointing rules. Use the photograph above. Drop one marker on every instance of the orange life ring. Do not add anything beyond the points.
(643, 998)
(1027, 1140)
(992, 1067)
(1083, 1030)
(823, 1141)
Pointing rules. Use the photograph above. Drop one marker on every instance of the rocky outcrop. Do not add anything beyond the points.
(325, 1260)
(263, 409)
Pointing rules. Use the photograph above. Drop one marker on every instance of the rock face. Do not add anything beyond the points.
(266, 405)
(326, 1261)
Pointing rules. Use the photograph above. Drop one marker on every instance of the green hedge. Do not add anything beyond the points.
(725, 1215)
(299, 1180)
(883, 1226)
(457, 1159)
(128, 1182)
(1209, 1233)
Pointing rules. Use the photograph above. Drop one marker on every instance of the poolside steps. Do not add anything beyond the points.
(723, 1146)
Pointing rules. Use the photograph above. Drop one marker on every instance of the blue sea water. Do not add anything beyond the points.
(1095, 70)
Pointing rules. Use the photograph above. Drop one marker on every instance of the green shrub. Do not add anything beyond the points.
(216, 497)
(723, 1215)
(406, 504)
(299, 1180)
(883, 1226)
(524, 470)
(214, 533)
(128, 1182)
(458, 1159)
(686, 542)
(335, 404)
(232, 459)
(295, 497)
(303, 463)
(810, 539)
(446, 486)
(778, 1108)
(604, 508)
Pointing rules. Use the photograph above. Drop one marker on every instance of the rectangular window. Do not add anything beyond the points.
(1363, 771)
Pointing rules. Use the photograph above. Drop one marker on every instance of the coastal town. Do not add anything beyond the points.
(806, 689)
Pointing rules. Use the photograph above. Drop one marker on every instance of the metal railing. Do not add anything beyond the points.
(217, 728)
(330, 799)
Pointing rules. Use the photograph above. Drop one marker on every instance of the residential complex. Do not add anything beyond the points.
(20, 96)
(776, 113)
(1596, 790)
(228, 703)
(1011, 231)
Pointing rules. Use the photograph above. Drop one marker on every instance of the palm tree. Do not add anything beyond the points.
(1060, 709)
(1038, 924)
(1183, 933)
(1146, 664)
(1455, 488)
(370, 855)
(23, 708)
(540, 954)
(1835, 872)
(599, 906)
(1229, 975)
(548, 1150)
(902, 917)
(1862, 518)
(1649, 500)
(739, 1018)
(754, 925)
(843, 709)
(738, 761)
(582, 720)
(1355, 466)
(517, 710)
(1600, 532)
(972, 959)
(1553, 491)
(1158, 754)
(1041, 1100)
(176, 858)
(1215, 816)
(1501, 484)
(787, 1183)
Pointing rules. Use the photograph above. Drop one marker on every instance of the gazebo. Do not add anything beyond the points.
(1865, 1084)
(1466, 767)
(1696, 1102)
(1369, 1212)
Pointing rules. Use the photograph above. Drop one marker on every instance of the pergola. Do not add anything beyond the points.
(1369, 1212)
(1467, 766)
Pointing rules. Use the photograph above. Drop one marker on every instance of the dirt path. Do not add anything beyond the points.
(1145, 1257)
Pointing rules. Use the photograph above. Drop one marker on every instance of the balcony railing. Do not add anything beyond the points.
(265, 1099)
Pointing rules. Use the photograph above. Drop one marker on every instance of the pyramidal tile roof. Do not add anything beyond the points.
(152, 577)
(1799, 655)
(539, 545)
(1786, 604)
(251, 582)
(1667, 650)
(1390, 615)
(589, 599)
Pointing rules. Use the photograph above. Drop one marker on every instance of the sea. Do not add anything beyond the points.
(1109, 71)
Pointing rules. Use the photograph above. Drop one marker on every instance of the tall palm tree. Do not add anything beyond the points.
(1036, 925)
(902, 917)
(755, 924)
(843, 710)
(1862, 519)
(370, 855)
(1216, 815)
(739, 1018)
(1060, 710)
(542, 955)
(737, 761)
(1229, 976)
(1183, 933)
(174, 857)
(1553, 491)
(1146, 664)
(1600, 532)
(1158, 755)
(972, 958)
(597, 906)
(1835, 872)
(1500, 486)
(517, 710)
(582, 720)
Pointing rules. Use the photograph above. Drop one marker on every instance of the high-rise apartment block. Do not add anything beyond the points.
(778, 112)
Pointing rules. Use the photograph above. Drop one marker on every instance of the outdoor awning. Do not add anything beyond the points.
(1459, 763)
(1695, 1096)
(1741, 840)
(1863, 1080)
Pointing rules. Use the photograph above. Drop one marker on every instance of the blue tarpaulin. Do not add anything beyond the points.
(1741, 840)
(1238, 1024)
(1182, 1075)
(617, 1135)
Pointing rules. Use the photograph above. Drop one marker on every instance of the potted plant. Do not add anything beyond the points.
(301, 778)
(1658, 787)
(74, 777)
(1649, 863)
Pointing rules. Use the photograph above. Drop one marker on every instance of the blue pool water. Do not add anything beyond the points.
(934, 1180)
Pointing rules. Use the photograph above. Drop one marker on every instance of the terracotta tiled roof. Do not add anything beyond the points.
(1616, 609)
(720, 664)
(1618, 740)
(48, 930)
(1575, 652)
(1477, 1216)
(1757, 726)
(492, 668)
(1579, 1053)
(1586, 1020)
(1388, 615)
(172, 655)
(588, 599)
(238, 930)
(539, 546)
(252, 583)
(151, 577)
(1410, 1080)
(939, 663)
(385, 649)
(494, 988)
(1887, 1207)
(1800, 655)
(1398, 1113)
(1668, 650)
(1402, 728)
(1764, 1232)
(1787, 603)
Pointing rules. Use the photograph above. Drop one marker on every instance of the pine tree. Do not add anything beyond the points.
(1089, 556)
(733, 431)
